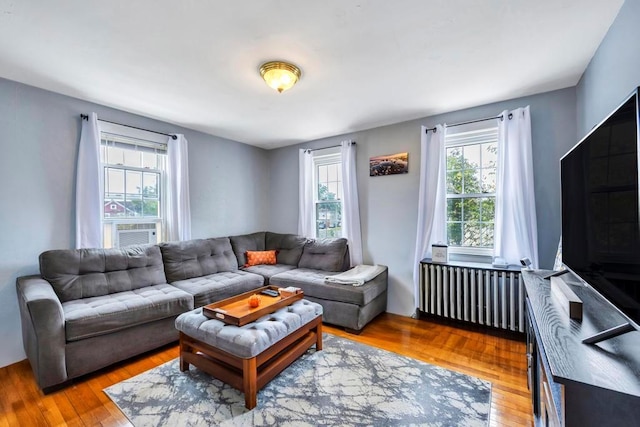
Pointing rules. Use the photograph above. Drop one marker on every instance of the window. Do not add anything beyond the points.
(472, 157)
(133, 163)
(328, 198)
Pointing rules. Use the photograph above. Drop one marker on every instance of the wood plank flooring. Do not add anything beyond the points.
(470, 350)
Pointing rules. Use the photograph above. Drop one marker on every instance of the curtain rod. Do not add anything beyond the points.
(325, 148)
(86, 117)
(501, 117)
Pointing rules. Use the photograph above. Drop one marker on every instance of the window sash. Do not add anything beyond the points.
(125, 142)
(462, 137)
(326, 158)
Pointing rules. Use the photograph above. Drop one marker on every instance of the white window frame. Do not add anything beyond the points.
(324, 157)
(468, 135)
(142, 138)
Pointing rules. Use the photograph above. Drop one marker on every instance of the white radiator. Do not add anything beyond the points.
(487, 296)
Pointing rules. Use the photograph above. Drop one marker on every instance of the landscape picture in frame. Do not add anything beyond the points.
(389, 164)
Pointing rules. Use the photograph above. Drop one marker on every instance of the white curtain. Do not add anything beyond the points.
(89, 186)
(350, 205)
(178, 206)
(516, 229)
(431, 199)
(306, 214)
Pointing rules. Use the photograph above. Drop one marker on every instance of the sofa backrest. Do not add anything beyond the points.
(83, 273)
(247, 242)
(289, 247)
(199, 257)
(325, 254)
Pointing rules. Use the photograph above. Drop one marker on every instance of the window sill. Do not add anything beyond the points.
(473, 264)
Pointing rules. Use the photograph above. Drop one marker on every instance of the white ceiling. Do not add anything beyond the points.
(364, 63)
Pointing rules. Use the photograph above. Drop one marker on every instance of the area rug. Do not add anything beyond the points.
(345, 384)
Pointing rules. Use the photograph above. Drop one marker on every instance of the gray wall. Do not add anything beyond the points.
(389, 205)
(614, 70)
(39, 138)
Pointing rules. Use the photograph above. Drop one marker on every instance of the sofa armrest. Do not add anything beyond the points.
(43, 330)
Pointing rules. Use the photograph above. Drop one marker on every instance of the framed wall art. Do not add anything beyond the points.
(389, 164)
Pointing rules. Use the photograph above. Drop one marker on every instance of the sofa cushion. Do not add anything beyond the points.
(289, 247)
(215, 287)
(313, 285)
(260, 258)
(195, 258)
(89, 317)
(84, 273)
(267, 271)
(324, 254)
(247, 242)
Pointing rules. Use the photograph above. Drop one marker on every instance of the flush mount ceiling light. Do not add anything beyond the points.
(280, 75)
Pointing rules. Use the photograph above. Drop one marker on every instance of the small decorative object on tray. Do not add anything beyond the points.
(289, 291)
(254, 301)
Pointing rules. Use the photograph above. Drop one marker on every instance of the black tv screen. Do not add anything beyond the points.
(600, 209)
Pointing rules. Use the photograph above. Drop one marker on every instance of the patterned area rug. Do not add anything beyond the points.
(345, 384)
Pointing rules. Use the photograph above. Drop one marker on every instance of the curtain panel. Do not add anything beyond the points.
(89, 186)
(350, 204)
(306, 227)
(177, 206)
(516, 229)
(431, 198)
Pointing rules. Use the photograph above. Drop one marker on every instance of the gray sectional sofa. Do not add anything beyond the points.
(90, 308)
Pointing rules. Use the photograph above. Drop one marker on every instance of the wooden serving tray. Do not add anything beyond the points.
(236, 310)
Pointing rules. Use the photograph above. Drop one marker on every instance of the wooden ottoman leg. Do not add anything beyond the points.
(184, 365)
(249, 382)
(319, 337)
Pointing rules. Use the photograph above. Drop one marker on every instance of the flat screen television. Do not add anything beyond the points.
(601, 212)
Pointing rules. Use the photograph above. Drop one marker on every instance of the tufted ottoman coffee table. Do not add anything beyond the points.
(249, 356)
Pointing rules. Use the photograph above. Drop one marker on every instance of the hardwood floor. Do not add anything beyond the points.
(471, 350)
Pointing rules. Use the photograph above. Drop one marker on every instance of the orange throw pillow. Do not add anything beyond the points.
(261, 257)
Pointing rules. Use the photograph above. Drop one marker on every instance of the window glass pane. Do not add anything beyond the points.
(471, 156)
(115, 155)
(471, 178)
(471, 234)
(150, 184)
(489, 155)
(487, 234)
(132, 158)
(333, 191)
(488, 180)
(454, 210)
(454, 182)
(322, 174)
(149, 160)
(114, 183)
(454, 234)
(488, 208)
(329, 219)
(339, 172)
(454, 158)
(323, 192)
(150, 208)
(133, 183)
(333, 172)
(471, 209)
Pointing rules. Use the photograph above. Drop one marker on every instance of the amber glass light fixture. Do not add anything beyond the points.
(280, 75)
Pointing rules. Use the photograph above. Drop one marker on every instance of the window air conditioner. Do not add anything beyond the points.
(135, 234)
